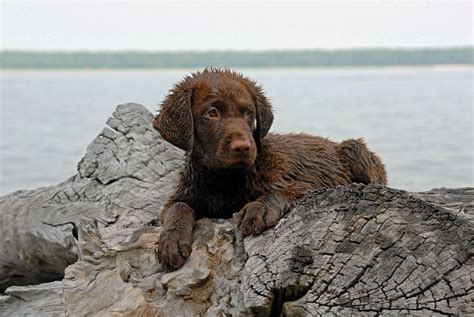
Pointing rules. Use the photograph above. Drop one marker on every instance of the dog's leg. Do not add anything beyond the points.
(265, 212)
(175, 241)
(363, 165)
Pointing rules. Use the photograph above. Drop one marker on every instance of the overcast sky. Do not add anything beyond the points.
(146, 25)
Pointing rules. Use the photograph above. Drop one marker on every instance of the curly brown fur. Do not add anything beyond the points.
(233, 165)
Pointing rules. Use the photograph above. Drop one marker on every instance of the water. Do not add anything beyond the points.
(419, 120)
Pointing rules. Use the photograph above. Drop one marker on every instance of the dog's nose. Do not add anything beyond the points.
(240, 146)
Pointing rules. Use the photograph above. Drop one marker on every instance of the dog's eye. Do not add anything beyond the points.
(212, 113)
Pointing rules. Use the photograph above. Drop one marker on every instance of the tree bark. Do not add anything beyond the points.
(89, 244)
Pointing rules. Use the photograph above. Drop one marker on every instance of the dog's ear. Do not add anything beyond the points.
(264, 115)
(175, 120)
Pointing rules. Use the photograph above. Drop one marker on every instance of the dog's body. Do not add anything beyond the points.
(290, 164)
(233, 166)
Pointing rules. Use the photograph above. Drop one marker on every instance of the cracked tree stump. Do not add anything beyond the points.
(355, 250)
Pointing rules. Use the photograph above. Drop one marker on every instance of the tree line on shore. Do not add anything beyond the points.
(272, 58)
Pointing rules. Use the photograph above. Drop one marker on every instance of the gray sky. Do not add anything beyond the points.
(147, 25)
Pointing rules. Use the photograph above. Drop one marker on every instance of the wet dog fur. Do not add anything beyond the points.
(233, 165)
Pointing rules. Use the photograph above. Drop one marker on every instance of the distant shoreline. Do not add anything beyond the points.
(237, 59)
(295, 68)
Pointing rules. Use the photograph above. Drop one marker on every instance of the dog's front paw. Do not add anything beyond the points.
(174, 247)
(255, 217)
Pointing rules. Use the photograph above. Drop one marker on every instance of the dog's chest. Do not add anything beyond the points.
(220, 198)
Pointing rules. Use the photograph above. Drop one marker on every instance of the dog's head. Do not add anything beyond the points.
(218, 115)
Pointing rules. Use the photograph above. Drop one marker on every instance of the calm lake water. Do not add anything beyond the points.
(420, 120)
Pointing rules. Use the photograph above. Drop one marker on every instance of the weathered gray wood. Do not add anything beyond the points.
(364, 250)
(43, 300)
(122, 181)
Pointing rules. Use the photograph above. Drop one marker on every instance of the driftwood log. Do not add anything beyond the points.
(86, 246)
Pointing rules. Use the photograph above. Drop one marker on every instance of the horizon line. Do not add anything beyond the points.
(355, 48)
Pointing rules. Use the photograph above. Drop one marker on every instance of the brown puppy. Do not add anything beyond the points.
(221, 119)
